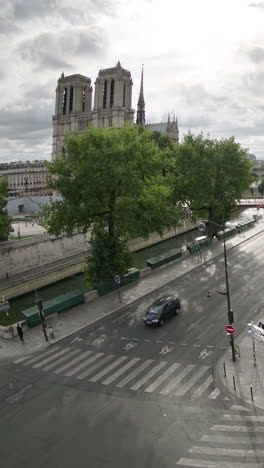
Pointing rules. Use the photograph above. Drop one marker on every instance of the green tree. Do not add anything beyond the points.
(209, 176)
(261, 186)
(5, 220)
(111, 179)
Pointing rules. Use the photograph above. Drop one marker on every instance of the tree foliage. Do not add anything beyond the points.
(210, 175)
(112, 179)
(5, 220)
(261, 186)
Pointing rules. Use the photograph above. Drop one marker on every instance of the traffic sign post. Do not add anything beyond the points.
(230, 329)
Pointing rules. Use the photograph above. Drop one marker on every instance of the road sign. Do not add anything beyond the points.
(230, 329)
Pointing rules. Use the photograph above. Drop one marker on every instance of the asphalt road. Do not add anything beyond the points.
(121, 394)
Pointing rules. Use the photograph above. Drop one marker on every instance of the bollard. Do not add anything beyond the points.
(224, 369)
(234, 382)
(251, 391)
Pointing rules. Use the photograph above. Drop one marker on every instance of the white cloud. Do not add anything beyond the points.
(202, 60)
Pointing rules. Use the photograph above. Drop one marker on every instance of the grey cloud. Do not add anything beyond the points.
(27, 9)
(30, 9)
(7, 27)
(256, 54)
(256, 5)
(55, 51)
(26, 124)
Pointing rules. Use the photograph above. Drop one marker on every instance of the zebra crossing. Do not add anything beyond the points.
(126, 372)
(241, 444)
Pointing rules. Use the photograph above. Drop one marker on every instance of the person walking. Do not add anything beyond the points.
(20, 332)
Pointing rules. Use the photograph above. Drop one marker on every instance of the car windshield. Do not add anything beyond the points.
(155, 309)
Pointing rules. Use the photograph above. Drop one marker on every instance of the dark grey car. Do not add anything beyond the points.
(162, 309)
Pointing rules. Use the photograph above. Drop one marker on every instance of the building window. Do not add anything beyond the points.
(71, 99)
(83, 99)
(124, 96)
(112, 90)
(104, 94)
(64, 101)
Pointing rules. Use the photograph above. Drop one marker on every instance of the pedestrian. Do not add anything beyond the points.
(7, 275)
(20, 332)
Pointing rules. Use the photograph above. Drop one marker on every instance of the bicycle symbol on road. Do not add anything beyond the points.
(129, 346)
(97, 341)
(166, 349)
(204, 354)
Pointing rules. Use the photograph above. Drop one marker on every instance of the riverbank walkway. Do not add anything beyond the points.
(241, 379)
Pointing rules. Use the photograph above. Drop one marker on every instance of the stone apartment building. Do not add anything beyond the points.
(112, 106)
(25, 178)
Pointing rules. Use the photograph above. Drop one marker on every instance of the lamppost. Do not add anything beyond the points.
(230, 314)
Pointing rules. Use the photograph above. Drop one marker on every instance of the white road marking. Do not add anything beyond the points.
(224, 428)
(102, 373)
(40, 356)
(177, 379)
(50, 358)
(186, 387)
(59, 361)
(18, 361)
(231, 440)
(95, 367)
(215, 393)
(215, 464)
(245, 417)
(162, 377)
(133, 374)
(203, 387)
(83, 364)
(120, 371)
(226, 451)
(73, 361)
(147, 376)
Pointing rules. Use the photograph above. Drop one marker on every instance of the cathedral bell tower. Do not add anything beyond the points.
(113, 97)
(72, 109)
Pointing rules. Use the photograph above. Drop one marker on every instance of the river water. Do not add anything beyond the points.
(77, 282)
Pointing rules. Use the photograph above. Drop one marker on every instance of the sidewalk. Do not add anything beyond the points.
(242, 373)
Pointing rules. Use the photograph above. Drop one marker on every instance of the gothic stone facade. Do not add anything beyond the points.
(112, 106)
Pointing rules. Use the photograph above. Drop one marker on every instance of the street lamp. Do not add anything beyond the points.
(230, 314)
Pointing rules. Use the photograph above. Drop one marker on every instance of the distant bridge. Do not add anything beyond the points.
(258, 202)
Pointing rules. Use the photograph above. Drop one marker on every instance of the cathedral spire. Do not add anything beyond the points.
(141, 104)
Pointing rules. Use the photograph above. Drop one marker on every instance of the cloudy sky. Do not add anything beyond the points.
(203, 60)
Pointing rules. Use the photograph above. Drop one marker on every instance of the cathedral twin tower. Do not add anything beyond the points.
(112, 106)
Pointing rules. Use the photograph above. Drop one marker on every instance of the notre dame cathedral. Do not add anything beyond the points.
(112, 106)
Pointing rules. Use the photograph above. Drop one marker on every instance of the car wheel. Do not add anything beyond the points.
(177, 310)
(161, 322)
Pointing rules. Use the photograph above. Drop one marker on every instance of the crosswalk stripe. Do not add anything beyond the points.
(225, 428)
(226, 451)
(177, 379)
(18, 361)
(133, 374)
(95, 367)
(120, 371)
(149, 374)
(162, 377)
(242, 417)
(73, 361)
(239, 408)
(59, 361)
(82, 365)
(216, 464)
(203, 387)
(232, 440)
(50, 358)
(184, 389)
(40, 356)
(114, 364)
(215, 393)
